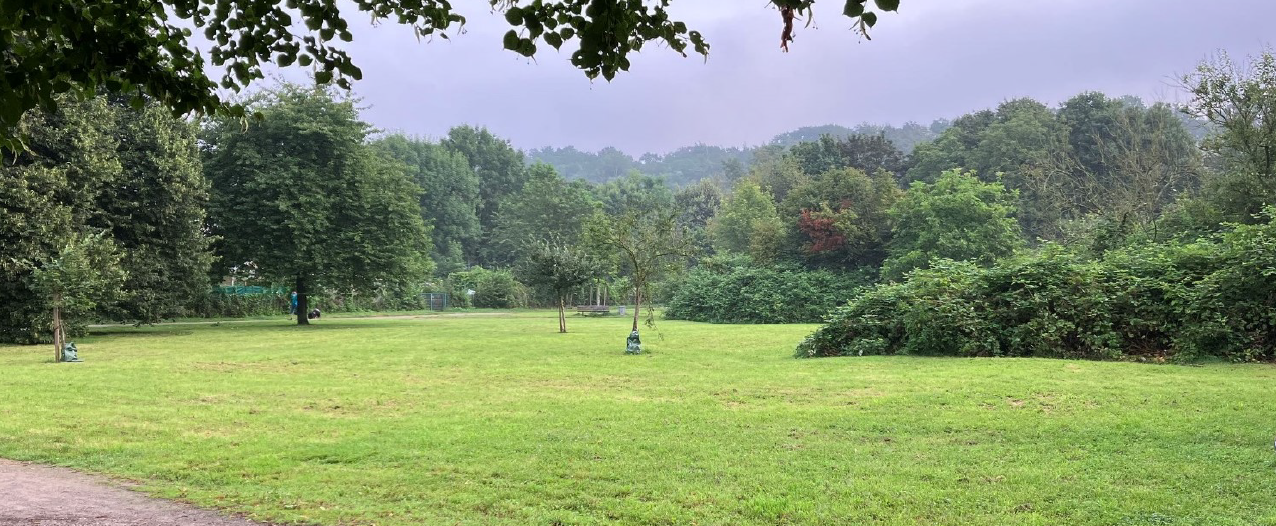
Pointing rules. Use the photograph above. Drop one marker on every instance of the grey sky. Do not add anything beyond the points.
(937, 58)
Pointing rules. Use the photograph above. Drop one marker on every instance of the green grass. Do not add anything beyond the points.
(500, 420)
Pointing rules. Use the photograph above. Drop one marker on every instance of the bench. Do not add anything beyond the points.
(593, 309)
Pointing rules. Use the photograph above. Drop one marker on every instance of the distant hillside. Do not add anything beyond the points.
(689, 164)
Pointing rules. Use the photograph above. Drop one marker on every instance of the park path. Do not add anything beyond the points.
(329, 318)
(32, 494)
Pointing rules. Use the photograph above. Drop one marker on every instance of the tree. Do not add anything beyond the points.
(85, 273)
(841, 217)
(561, 267)
(1240, 101)
(156, 212)
(867, 153)
(778, 175)
(145, 47)
(548, 207)
(304, 198)
(958, 217)
(99, 165)
(634, 191)
(747, 223)
(500, 171)
(697, 205)
(46, 193)
(647, 242)
(449, 202)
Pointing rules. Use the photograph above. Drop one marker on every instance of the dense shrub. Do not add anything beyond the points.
(1181, 301)
(736, 291)
(217, 304)
(493, 289)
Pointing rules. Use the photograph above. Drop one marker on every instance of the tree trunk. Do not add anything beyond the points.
(303, 304)
(637, 306)
(562, 316)
(58, 335)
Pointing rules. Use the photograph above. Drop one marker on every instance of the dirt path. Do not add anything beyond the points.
(39, 495)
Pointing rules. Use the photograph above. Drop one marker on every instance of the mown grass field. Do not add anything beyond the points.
(500, 420)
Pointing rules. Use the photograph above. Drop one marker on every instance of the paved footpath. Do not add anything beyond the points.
(32, 494)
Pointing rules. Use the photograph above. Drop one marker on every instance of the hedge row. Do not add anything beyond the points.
(1212, 298)
(738, 292)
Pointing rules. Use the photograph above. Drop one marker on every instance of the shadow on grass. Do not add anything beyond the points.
(264, 326)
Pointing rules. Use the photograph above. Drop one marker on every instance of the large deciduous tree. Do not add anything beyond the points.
(301, 195)
(500, 171)
(146, 46)
(747, 224)
(449, 202)
(867, 153)
(99, 165)
(547, 207)
(842, 217)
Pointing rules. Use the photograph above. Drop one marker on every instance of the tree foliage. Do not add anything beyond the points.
(747, 212)
(867, 153)
(500, 171)
(958, 217)
(82, 275)
(841, 217)
(547, 207)
(98, 165)
(1240, 101)
(559, 267)
(449, 200)
(646, 242)
(145, 47)
(302, 197)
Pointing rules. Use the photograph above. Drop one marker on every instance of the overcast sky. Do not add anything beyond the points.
(936, 58)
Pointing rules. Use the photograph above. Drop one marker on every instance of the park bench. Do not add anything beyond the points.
(593, 309)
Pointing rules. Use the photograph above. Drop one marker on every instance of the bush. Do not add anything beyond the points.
(1178, 301)
(493, 289)
(736, 291)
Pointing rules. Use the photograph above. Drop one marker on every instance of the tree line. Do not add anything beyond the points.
(309, 197)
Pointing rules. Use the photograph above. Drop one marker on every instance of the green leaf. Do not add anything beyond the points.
(514, 16)
(887, 5)
(869, 19)
(854, 8)
(553, 39)
(511, 40)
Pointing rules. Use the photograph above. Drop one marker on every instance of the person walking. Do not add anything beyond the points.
(292, 310)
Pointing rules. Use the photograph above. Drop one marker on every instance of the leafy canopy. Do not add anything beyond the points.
(145, 46)
(958, 217)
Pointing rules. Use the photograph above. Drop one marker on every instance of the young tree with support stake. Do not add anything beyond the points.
(85, 273)
(646, 243)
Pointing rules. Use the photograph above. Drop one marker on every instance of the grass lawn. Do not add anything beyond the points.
(500, 420)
